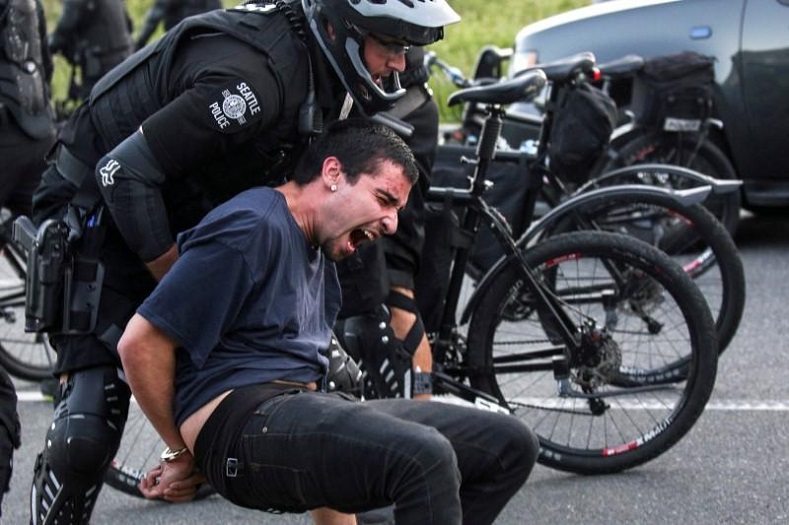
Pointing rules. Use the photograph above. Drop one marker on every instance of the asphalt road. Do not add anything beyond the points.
(733, 467)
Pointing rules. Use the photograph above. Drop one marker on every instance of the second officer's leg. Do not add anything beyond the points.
(81, 441)
(9, 431)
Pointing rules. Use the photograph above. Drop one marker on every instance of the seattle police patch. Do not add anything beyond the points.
(233, 106)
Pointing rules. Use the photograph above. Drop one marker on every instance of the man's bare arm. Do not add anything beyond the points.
(148, 357)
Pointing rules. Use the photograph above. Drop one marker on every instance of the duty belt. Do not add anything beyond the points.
(80, 175)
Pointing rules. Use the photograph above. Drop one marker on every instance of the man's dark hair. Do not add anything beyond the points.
(360, 145)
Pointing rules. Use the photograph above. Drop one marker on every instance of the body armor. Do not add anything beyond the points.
(23, 80)
(130, 85)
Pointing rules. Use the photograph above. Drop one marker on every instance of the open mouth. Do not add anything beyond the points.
(360, 236)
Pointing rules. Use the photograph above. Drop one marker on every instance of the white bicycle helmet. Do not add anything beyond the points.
(418, 22)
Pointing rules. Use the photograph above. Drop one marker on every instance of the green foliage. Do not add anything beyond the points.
(484, 22)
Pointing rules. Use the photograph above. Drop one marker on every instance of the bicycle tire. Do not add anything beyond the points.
(597, 435)
(24, 355)
(139, 450)
(691, 235)
(643, 146)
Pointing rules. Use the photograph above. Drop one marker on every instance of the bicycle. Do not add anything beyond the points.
(682, 135)
(526, 292)
(713, 261)
(686, 231)
(24, 355)
(578, 350)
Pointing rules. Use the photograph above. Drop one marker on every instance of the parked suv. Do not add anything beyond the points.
(750, 42)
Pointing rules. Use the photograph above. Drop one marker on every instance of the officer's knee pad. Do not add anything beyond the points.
(386, 365)
(80, 443)
(88, 422)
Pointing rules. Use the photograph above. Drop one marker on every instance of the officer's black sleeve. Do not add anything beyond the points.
(219, 109)
(129, 180)
(233, 97)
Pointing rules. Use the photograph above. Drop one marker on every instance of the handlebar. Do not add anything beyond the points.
(451, 72)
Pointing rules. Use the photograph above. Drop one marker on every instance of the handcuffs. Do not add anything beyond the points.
(168, 456)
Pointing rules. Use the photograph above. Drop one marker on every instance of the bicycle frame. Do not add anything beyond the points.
(475, 211)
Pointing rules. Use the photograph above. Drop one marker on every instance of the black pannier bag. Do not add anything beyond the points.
(583, 122)
(674, 92)
(508, 194)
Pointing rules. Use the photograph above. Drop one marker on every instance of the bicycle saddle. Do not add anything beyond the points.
(520, 88)
(625, 66)
(565, 68)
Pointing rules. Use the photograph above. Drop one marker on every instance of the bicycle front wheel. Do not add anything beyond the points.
(638, 310)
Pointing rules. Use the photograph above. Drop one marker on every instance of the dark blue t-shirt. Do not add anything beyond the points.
(248, 301)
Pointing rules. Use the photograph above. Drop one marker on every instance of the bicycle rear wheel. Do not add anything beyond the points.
(606, 420)
(678, 149)
(139, 450)
(24, 355)
(691, 235)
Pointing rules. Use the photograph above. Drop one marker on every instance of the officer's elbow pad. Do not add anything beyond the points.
(129, 179)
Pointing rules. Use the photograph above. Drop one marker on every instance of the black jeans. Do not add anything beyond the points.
(437, 463)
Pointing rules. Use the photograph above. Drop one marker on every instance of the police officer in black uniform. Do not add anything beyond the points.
(26, 121)
(94, 36)
(222, 102)
(26, 134)
(380, 324)
(171, 12)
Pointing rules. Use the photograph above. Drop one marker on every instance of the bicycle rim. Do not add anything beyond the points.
(513, 341)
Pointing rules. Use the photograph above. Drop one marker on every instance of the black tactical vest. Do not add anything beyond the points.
(23, 88)
(138, 87)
